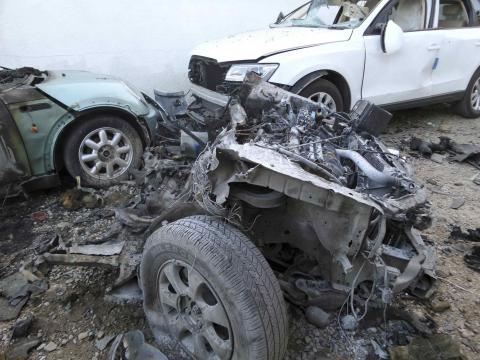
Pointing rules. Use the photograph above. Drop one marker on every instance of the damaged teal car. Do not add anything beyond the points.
(94, 126)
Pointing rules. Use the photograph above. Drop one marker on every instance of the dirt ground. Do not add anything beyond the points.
(73, 313)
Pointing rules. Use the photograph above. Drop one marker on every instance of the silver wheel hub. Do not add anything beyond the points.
(475, 96)
(325, 99)
(194, 312)
(105, 153)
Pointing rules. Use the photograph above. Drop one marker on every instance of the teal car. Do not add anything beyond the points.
(95, 126)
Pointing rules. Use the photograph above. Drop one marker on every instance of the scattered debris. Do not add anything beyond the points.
(22, 327)
(437, 346)
(39, 216)
(470, 235)
(476, 179)
(132, 346)
(21, 350)
(473, 259)
(15, 290)
(101, 344)
(468, 153)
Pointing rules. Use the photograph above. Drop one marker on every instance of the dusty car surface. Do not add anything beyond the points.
(94, 125)
(397, 54)
(286, 197)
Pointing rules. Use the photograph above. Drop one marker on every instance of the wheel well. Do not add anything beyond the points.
(334, 77)
(67, 130)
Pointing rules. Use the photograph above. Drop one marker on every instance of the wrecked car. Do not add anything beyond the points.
(337, 52)
(274, 198)
(95, 126)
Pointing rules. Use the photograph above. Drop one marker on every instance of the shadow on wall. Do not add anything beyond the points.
(146, 42)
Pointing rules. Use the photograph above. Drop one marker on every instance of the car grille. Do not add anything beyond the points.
(207, 72)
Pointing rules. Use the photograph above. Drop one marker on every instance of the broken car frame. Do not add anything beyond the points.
(333, 211)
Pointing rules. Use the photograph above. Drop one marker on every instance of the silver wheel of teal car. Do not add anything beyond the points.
(105, 153)
(475, 96)
(325, 99)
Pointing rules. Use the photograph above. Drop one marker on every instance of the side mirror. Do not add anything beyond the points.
(279, 18)
(392, 37)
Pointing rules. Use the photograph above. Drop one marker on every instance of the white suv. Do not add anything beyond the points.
(395, 53)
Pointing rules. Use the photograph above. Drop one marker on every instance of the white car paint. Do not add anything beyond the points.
(428, 63)
(262, 43)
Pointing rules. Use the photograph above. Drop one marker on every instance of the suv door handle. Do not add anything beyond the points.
(433, 47)
(477, 43)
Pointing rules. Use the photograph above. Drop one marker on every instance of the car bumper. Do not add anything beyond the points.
(151, 121)
(212, 97)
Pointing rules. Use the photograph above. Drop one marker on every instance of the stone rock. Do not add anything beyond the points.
(457, 203)
(83, 335)
(51, 346)
(316, 316)
(437, 158)
(440, 306)
(101, 344)
(349, 322)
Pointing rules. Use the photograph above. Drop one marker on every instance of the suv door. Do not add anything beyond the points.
(459, 54)
(406, 74)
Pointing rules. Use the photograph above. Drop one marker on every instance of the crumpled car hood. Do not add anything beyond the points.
(79, 90)
(257, 44)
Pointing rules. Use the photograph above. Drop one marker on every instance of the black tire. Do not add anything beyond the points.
(465, 107)
(324, 86)
(78, 134)
(237, 274)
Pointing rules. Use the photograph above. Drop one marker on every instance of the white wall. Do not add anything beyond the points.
(146, 42)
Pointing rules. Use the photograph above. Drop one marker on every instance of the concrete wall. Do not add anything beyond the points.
(146, 42)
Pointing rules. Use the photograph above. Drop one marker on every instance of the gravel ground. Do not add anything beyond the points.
(73, 313)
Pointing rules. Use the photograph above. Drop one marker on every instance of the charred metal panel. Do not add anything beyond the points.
(20, 94)
(13, 159)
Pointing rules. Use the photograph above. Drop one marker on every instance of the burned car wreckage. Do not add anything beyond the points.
(334, 212)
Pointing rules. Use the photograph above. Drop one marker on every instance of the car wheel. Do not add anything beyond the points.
(102, 150)
(325, 92)
(208, 287)
(469, 107)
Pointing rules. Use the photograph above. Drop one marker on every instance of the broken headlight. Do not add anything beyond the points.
(238, 72)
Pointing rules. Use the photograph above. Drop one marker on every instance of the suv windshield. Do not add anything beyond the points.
(330, 13)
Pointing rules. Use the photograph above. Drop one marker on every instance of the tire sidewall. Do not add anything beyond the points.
(166, 251)
(323, 85)
(78, 134)
(470, 111)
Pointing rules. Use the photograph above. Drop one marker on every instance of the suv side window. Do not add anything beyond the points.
(452, 14)
(410, 15)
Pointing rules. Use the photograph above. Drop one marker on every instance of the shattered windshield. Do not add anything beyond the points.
(330, 14)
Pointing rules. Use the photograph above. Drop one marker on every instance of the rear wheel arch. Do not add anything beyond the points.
(90, 114)
(334, 77)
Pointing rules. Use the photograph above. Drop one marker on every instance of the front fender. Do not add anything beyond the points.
(345, 58)
(64, 123)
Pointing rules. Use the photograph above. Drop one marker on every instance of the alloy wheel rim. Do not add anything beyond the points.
(196, 316)
(475, 96)
(105, 153)
(325, 99)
